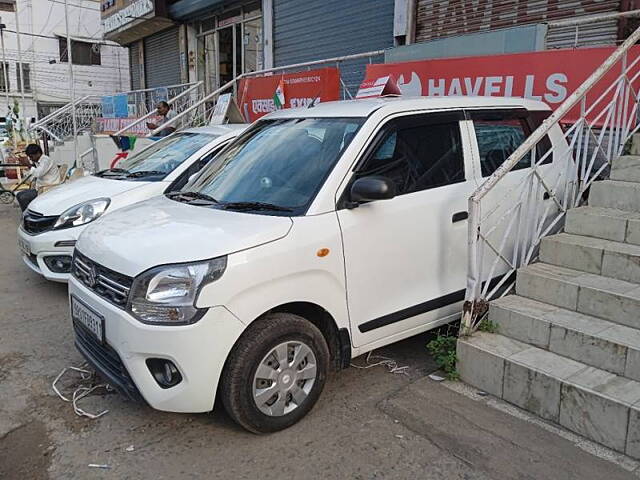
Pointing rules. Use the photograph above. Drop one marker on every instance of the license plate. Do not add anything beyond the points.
(86, 317)
(24, 246)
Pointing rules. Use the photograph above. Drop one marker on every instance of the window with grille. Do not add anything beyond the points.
(82, 53)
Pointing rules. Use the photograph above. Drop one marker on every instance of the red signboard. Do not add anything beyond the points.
(550, 75)
(300, 89)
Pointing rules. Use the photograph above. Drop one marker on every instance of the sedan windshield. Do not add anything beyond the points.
(165, 155)
(278, 166)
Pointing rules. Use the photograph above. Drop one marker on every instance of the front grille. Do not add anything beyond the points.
(106, 361)
(112, 286)
(35, 223)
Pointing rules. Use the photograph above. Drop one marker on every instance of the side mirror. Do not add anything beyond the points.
(369, 189)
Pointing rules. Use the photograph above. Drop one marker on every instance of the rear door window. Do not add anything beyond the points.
(500, 133)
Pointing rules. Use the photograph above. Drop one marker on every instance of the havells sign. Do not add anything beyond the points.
(128, 14)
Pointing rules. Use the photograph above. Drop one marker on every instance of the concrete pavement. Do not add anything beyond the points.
(368, 424)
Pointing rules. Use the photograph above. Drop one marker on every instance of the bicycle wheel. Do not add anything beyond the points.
(6, 197)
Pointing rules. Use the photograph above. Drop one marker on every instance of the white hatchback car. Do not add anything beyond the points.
(53, 222)
(319, 235)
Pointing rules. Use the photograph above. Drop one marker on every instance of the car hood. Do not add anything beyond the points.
(160, 231)
(65, 196)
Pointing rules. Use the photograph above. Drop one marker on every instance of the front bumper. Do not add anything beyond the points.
(44, 245)
(199, 351)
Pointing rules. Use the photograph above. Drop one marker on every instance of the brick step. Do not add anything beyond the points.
(617, 194)
(605, 223)
(590, 340)
(592, 402)
(626, 168)
(614, 300)
(592, 255)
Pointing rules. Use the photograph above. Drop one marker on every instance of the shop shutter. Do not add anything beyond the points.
(134, 66)
(305, 31)
(437, 19)
(162, 59)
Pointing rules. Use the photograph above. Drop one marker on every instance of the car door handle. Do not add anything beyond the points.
(459, 216)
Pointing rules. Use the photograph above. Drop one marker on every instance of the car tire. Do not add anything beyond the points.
(281, 392)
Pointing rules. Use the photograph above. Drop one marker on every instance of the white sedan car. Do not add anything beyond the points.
(53, 222)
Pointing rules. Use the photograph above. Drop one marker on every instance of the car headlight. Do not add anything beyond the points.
(82, 213)
(167, 295)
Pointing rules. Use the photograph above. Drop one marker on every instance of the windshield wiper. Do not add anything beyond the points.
(192, 196)
(115, 171)
(255, 206)
(144, 173)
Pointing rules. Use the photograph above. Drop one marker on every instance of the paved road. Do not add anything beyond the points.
(369, 424)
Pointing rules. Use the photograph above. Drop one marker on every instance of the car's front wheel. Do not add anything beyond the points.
(275, 373)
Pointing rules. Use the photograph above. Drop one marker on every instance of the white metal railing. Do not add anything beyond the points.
(200, 112)
(179, 103)
(507, 221)
(59, 124)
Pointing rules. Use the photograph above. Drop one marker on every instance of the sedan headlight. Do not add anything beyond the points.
(82, 213)
(167, 295)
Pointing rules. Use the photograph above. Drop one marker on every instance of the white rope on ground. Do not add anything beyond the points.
(390, 363)
(81, 391)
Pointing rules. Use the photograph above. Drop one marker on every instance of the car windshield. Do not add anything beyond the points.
(278, 166)
(167, 154)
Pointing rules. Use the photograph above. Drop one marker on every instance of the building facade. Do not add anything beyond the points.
(172, 42)
(100, 67)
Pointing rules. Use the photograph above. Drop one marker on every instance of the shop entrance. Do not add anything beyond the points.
(229, 45)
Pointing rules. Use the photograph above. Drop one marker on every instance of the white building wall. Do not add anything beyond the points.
(41, 23)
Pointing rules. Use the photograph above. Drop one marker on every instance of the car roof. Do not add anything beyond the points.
(398, 104)
(219, 129)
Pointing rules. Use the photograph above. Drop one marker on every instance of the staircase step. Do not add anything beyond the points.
(626, 168)
(615, 194)
(606, 223)
(608, 298)
(590, 340)
(593, 255)
(589, 401)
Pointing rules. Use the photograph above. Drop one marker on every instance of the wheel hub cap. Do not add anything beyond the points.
(284, 378)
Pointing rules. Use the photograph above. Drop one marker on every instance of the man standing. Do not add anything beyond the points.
(165, 111)
(44, 171)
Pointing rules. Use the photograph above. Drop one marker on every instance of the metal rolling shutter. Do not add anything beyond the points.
(162, 59)
(437, 19)
(134, 66)
(312, 30)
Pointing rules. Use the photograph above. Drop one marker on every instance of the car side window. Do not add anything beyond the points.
(498, 136)
(418, 157)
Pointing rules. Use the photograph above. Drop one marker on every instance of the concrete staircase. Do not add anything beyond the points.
(567, 346)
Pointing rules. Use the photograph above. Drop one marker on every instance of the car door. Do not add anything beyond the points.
(405, 258)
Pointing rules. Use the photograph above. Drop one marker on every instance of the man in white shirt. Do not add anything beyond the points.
(44, 172)
(165, 111)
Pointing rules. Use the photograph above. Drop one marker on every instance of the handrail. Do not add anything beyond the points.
(616, 122)
(171, 101)
(59, 111)
(560, 112)
(230, 83)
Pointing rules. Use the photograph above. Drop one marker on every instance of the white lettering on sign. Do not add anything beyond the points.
(128, 14)
(552, 88)
(267, 105)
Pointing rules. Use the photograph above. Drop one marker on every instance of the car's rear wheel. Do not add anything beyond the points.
(275, 373)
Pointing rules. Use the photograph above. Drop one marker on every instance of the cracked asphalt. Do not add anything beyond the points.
(368, 424)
